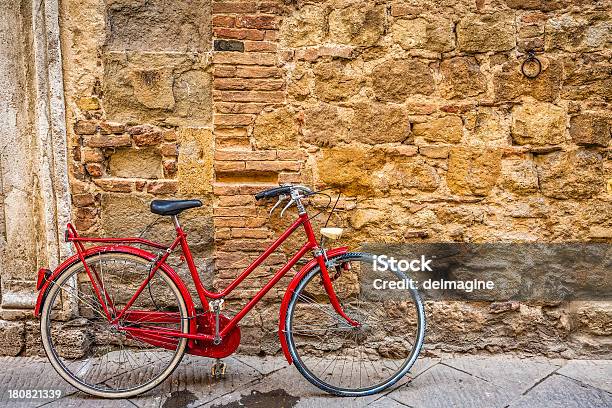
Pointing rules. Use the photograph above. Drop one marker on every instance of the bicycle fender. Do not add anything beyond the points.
(291, 289)
(121, 249)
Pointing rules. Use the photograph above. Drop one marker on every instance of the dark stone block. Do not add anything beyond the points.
(229, 45)
(158, 25)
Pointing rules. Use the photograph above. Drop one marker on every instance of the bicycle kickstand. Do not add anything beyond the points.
(218, 369)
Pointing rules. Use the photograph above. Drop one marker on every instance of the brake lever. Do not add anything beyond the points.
(287, 206)
(280, 200)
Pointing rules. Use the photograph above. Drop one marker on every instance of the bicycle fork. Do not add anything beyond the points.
(329, 288)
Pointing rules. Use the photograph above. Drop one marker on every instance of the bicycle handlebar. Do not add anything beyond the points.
(273, 192)
(276, 191)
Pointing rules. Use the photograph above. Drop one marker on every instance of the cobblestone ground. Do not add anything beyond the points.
(466, 381)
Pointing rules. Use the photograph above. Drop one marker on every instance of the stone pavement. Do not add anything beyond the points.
(460, 381)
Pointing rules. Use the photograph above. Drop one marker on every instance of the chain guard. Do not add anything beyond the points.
(206, 325)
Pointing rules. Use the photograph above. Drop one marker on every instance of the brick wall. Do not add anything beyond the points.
(416, 111)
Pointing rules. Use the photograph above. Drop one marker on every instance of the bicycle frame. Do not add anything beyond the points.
(203, 294)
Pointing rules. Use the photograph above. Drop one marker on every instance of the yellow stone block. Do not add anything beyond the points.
(195, 160)
(88, 103)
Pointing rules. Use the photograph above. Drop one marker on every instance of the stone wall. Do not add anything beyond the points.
(416, 111)
(34, 192)
(419, 114)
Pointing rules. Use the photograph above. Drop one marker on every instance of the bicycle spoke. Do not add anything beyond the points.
(96, 353)
(342, 357)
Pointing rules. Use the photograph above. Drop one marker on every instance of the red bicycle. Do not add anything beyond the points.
(117, 319)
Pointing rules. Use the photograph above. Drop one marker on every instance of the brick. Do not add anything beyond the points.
(228, 142)
(222, 233)
(228, 45)
(248, 84)
(235, 212)
(258, 72)
(85, 127)
(94, 169)
(170, 167)
(257, 21)
(274, 166)
(76, 153)
(290, 178)
(249, 245)
(77, 171)
(236, 200)
(229, 166)
(83, 224)
(111, 127)
(237, 189)
(285, 56)
(224, 71)
(233, 119)
(83, 200)
(170, 135)
(245, 155)
(223, 21)
(148, 139)
(239, 33)
(272, 7)
(223, 107)
(307, 54)
(86, 212)
(251, 58)
(169, 149)
(249, 96)
(78, 187)
(108, 141)
(92, 155)
(258, 233)
(420, 108)
(115, 185)
(231, 132)
(271, 35)
(162, 187)
(339, 51)
(140, 129)
(533, 17)
(261, 46)
(239, 222)
(224, 131)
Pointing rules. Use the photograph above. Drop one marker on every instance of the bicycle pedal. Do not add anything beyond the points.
(218, 370)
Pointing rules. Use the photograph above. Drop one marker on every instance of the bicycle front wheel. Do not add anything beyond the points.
(98, 357)
(353, 361)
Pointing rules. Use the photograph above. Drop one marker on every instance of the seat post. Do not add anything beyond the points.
(176, 222)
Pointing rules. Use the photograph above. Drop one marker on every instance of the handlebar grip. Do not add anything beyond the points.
(273, 192)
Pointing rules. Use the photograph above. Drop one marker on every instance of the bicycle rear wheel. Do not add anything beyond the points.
(353, 361)
(98, 357)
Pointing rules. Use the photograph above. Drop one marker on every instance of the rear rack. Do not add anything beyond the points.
(71, 235)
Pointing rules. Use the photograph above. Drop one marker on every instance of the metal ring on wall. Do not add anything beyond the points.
(532, 66)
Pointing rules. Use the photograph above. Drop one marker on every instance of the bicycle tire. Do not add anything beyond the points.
(351, 392)
(53, 355)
